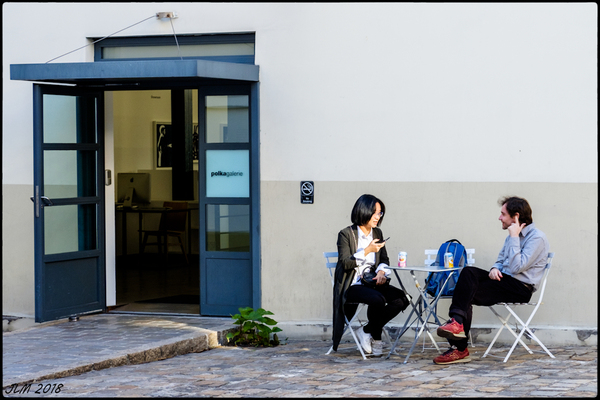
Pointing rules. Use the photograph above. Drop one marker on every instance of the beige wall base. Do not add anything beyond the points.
(295, 284)
(18, 285)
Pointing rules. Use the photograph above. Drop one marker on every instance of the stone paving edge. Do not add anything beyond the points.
(196, 342)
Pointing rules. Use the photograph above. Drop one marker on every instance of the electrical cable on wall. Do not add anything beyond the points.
(176, 41)
(145, 19)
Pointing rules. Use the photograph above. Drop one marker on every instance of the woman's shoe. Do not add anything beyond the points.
(365, 340)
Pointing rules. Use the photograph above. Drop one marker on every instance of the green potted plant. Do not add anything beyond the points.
(255, 328)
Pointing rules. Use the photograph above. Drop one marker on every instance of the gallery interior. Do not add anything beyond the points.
(148, 278)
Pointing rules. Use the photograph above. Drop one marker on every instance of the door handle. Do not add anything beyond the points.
(45, 201)
(40, 201)
(36, 201)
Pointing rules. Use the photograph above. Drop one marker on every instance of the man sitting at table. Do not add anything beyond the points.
(512, 279)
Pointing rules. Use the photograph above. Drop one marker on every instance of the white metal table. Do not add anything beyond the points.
(421, 306)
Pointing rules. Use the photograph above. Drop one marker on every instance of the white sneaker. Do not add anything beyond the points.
(365, 340)
(377, 347)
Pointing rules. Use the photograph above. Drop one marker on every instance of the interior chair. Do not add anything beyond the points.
(330, 263)
(431, 256)
(525, 330)
(172, 224)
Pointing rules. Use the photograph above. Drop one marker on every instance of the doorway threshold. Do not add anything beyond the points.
(158, 309)
(157, 313)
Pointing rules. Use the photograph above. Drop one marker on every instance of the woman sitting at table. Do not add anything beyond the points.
(361, 246)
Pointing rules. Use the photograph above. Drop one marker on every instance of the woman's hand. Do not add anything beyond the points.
(374, 246)
(381, 279)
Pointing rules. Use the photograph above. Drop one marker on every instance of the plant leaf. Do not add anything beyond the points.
(248, 325)
(246, 312)
(269, 321)
(254, 315)
(264, 331)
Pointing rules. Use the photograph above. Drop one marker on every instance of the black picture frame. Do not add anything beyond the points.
(163, 145)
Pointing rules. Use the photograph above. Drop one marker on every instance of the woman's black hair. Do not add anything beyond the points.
(364, 208)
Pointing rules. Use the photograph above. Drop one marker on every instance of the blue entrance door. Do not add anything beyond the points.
(228, 165)
(68, 202)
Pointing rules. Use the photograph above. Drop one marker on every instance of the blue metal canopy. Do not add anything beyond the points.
(123, 72)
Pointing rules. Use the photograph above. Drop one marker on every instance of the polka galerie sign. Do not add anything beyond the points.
(227, 173)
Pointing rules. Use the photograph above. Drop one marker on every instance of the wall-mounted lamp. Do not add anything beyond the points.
(166, 14)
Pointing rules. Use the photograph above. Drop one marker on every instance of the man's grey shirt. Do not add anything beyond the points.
(524, 257)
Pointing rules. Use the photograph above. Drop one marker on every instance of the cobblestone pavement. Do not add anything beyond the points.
(301, 369)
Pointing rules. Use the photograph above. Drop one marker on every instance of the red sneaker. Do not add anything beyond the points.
(453, 356)
(452, 330)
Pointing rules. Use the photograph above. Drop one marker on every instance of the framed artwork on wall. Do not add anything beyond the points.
(163, 144)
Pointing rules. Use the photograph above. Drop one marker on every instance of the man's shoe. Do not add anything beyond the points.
(453, 356)
(452, 330)
(377, 347)
(365, 340)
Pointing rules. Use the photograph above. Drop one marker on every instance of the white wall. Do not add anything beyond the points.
(495, 85)
(485, 88)
(358, 95)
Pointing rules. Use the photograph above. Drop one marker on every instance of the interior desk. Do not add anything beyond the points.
(421, 305)
(149, 210)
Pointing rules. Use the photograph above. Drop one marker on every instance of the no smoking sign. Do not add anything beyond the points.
(307, 192)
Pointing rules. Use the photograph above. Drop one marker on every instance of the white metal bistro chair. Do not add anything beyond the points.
(330, 263)
(525, 330)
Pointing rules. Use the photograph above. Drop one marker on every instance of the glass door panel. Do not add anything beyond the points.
(69, 173)
(70, 228)
(227, 227)
(62, 122)
(227, 119)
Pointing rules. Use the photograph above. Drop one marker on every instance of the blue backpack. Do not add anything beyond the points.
(436, 280)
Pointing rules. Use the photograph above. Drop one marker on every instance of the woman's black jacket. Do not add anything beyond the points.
(347, 243)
